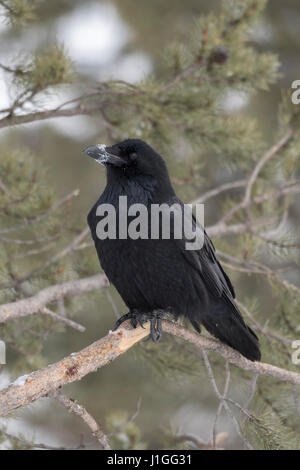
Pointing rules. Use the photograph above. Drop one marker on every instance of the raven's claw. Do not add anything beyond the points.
(132, 316)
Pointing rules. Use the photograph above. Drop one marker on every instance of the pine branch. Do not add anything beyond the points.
(61, 254)
(40, 218)
(220, 229)
(66, 321)
(265, 158)
(48, 114)
(218, 190)
(74, 367)
(37, 302)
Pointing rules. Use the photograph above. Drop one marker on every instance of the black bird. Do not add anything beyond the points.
(157, 275)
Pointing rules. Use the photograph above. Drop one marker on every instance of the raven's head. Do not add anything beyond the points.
(132, 159)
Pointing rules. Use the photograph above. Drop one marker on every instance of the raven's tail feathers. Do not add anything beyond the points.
(226, 323)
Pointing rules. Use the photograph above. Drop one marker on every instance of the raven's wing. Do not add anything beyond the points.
(205, 262)
(224, 319)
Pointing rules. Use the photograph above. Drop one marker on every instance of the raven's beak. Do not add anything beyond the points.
(99, 153)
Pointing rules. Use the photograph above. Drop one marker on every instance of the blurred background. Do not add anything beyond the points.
(125, 39)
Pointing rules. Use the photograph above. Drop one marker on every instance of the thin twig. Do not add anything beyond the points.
(263, 161)
(66, 321)
(130, 420)
(252, 391)
(221, 398)
(74, 407)
(221, 404)
(245, 203)
(218, 190)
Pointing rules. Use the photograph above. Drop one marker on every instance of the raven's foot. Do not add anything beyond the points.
(156, 318)
(136, 317)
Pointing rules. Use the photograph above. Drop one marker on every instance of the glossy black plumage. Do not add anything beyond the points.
(160, 274)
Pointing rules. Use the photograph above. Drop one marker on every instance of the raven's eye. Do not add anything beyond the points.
(133, 156)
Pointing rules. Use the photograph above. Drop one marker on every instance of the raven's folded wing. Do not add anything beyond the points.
(223, 319)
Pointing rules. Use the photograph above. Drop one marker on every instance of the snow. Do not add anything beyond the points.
(20, 380)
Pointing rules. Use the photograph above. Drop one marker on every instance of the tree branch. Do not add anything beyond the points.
(48, 114)
(63, 319)
(246, 202)
(37, 302)
(74, 367)
(263, 161)
(218, 190)
(74, 407)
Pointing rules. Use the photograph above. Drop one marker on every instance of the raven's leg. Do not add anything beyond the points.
(155, 329)
(155, 325)
(153, 334)
(132, 316)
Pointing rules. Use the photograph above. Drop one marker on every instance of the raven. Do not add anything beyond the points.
(158, 275)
